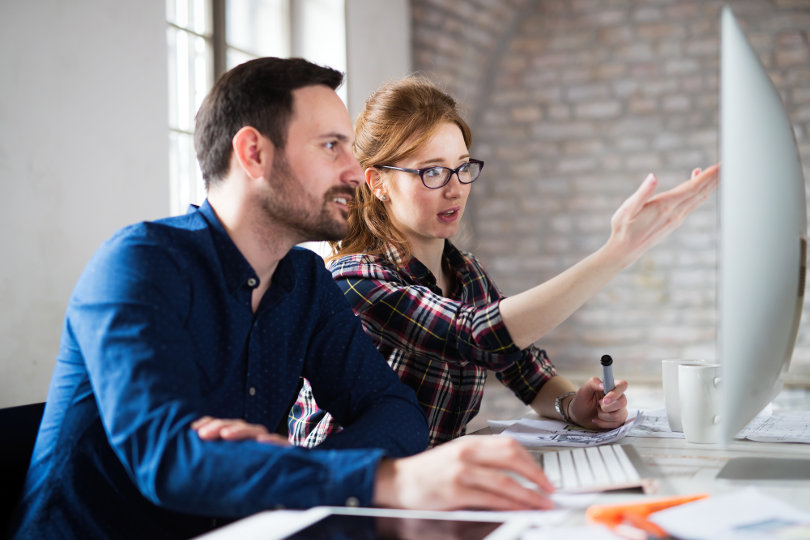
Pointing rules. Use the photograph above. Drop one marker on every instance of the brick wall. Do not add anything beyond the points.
(572, 103)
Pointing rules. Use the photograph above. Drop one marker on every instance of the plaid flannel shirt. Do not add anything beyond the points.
(442, 347)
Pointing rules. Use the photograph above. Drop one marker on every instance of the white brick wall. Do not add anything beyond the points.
(572, 103)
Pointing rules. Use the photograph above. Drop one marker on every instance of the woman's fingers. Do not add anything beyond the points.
(644, 218)
(635, 203)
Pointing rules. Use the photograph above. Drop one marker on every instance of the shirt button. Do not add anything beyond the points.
(352, 501)
(252, 391)
(251, 282)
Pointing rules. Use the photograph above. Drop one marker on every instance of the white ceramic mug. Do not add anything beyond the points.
(669, 380)
(699, 391)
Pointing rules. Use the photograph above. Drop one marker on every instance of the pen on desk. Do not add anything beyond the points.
(607, 372)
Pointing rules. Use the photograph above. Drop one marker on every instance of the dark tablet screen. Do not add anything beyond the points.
(355, 527)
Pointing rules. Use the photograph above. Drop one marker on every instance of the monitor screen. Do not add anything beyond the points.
(763, 227)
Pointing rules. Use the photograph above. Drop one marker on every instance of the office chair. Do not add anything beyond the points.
(19, 426)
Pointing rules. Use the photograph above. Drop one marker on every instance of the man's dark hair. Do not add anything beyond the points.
(257, 93)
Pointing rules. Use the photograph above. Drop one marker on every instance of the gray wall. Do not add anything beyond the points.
(83, 151)
(378, 39)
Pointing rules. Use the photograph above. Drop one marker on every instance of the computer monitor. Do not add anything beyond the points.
(763, 234)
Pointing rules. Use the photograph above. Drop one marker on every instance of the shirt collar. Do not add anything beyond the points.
(418, 271)
(235, 268)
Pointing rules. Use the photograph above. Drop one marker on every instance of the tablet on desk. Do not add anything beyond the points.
(390, 524)
(328, 522)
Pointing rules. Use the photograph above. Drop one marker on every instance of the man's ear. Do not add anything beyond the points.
(252, 151)
(375, 183)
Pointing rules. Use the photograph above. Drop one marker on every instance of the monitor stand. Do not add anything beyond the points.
(759, 468)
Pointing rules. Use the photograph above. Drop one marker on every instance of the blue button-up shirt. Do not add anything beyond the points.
(159, 332)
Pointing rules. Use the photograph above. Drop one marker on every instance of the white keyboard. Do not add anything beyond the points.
(595, 468)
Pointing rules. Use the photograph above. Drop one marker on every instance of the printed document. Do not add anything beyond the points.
(744, 514)
(787, 426)
(532, 432)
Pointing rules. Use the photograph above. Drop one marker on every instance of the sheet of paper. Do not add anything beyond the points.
(654, 424)
(534, 433)
(268, 525)
(582, 532)
(743, 514)
(534, 518)
(789, 426)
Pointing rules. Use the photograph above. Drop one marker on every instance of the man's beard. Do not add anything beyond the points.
(290, 205)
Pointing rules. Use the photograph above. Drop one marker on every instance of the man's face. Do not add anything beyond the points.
(312, 181)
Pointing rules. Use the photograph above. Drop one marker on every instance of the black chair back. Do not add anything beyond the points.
(19, 427)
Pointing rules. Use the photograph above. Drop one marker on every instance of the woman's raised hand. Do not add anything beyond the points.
(645, 218)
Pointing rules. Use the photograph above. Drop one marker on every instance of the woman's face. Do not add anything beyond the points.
(428, 216)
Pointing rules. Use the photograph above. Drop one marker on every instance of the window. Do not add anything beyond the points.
(190, 49)
(207, 37)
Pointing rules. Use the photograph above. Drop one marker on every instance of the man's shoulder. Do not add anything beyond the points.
(164, 232)
(177, 241)
(304, 261)
(304, 266)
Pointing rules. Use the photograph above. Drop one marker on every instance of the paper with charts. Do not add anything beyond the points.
(541, 432)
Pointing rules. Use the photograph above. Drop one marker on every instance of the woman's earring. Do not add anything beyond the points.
(383, 197)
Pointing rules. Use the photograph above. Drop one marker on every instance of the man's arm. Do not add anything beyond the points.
(352, 381)
(148, 385)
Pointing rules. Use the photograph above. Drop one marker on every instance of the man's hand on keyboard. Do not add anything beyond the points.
(593, 409)
(494, 473)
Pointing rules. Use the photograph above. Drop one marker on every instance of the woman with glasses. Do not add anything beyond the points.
(431, 309)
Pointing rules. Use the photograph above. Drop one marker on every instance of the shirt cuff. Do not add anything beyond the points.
(350, 477)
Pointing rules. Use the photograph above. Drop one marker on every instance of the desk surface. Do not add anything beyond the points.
(682, 468)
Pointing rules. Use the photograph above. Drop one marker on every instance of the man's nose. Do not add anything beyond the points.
(353, 174)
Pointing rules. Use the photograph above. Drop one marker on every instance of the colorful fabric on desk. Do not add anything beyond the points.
(442, 347)
(159, 332)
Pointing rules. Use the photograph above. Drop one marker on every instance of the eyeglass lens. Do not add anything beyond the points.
(436, 177)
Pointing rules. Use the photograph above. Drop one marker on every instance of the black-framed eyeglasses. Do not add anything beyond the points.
(437, 177)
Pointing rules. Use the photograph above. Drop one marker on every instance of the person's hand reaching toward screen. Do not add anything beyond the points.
(645, 218)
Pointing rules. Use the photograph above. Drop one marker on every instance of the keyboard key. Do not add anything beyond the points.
(597, 468)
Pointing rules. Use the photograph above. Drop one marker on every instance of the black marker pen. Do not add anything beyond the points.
(607, 372)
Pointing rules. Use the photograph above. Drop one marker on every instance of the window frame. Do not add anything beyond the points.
(298, 38)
